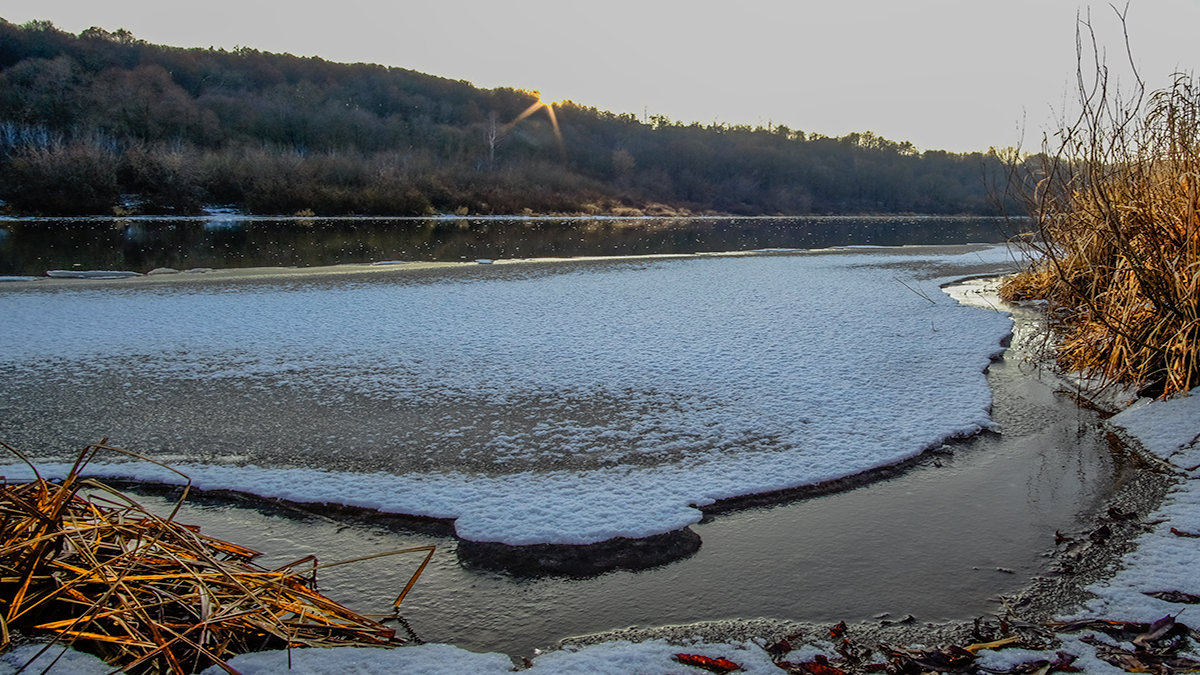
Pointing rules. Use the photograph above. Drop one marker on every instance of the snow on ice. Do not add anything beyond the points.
(727, 376)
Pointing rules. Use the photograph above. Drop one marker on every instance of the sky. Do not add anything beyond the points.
(957, 75)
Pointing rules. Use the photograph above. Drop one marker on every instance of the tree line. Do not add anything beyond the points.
(103, 121)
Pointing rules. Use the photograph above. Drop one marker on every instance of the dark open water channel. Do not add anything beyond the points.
(32, 246)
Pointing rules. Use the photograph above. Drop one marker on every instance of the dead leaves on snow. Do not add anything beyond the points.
(1175, 596)
(1154, 648)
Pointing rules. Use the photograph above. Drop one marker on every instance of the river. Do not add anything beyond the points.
(548, 406)
(30, 246)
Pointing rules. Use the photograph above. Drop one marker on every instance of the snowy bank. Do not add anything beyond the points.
(1167, 557)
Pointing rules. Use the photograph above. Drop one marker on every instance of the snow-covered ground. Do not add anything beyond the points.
(567, 404)
(1165, 560)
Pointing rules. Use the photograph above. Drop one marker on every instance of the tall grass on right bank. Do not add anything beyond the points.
(1117, 208)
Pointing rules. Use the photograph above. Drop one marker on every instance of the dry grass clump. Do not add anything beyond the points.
(1118, 258)
(87, 565)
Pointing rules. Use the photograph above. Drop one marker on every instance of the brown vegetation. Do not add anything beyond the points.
(87, 565)
(1117, 208)
(162, 130)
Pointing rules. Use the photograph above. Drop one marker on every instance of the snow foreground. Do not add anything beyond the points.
(612, 399)
(652, 657)
(1168, 557)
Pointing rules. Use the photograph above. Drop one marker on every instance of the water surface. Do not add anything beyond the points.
(570, 402)
(32, 246)
(940, 541)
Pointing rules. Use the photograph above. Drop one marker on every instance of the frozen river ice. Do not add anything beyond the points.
(539, 402)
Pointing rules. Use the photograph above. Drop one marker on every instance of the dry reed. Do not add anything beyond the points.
(87, 565)
(1117, 207)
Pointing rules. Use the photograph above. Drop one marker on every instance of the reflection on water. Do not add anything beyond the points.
(31, 246)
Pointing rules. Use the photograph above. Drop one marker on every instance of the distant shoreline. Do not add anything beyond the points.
(421, 268)
(609, 216)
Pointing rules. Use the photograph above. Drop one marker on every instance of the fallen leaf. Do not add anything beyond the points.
(950, 659)
(780, 648)
(1063, 663)
(717, 665)
(1163, 629)
(995, 644)
(1141, 661)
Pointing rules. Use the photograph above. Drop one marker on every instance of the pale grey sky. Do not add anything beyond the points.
(957, 75)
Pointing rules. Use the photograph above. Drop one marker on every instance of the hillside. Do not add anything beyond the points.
(100, 121)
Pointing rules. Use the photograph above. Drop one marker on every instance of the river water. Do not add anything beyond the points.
(942, 540)
(30, 246)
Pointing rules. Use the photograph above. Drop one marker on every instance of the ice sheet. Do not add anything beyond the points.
(615, 397)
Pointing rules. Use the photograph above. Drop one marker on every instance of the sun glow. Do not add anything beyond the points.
(539, 104)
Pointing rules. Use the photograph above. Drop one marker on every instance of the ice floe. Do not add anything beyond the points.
(716, 377)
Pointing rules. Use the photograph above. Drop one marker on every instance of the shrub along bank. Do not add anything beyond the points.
(100, 120)
(1118, 213)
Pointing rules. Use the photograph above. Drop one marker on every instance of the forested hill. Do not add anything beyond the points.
(100, 121)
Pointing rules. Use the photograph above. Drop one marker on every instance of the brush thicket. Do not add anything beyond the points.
(89, 567)
(1118, 213)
